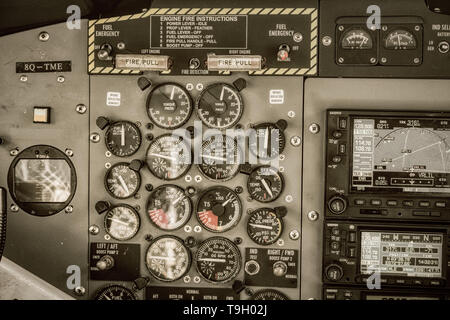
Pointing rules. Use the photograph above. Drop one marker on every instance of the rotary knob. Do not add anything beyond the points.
(252, 267)
(334, 272)
(337, 205)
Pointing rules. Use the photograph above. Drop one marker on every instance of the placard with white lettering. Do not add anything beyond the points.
(43, 66)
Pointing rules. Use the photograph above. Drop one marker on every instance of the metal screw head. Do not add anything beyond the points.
(14, 152)
(94, 137)
(416, 60)
(289, 198)
(60, 79)
(23, 78)
(314, 128)
(69, 152)
(384, 60)
(80, 291)
(313, 215)
(341, 60)
(187, 228)
(187, 178)
(108, 154)
(281, 169)
(341, 28)
(197, 279)
(107, 165)
(187, 279)
(107, 237)
(121, 46)
(417, 28)
(326, 41)
(282, 157)
(294, 235)
(296, 141)
(280, 242)
(384, 28)
(81, 108)
(198, 179)
(298, 37)
(291, 114)
(197, 229)
(69, 209)
(44, 36)
(373, 60)
(94, 229)
(14, 208)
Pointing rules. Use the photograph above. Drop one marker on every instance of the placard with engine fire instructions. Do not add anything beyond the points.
(202, 41)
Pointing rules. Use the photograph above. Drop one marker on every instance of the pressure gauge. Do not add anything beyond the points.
(265, 184)
(169, 157)
(122, 222)
(220, 106)
(168, 259)
(115, 292)
(269, 294)
(264, 226)
(121, 181)
(267, 140)
(400, 39)
(168, 207)
(221, 158)
(123, 138)
(356, 39)
(219, 209)
(218, 260)
(169, 106)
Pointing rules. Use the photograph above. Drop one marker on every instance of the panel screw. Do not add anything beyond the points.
(188, 178)
(197, 279)
(341, 28)
(198, 179)
(121, 46)
(23, 78)
(326, 41)
(108, 154)
(60, 79)
(373, 60)
(69, 152)
(187, 279)
(417, 28)
(298, 37)
(94, 229)
(314, 128)
(296, 141)
(294, 235)
(313, 215)
(44, 36)
(69, 209)
(237, 240)
(384, 60)
(148, 238)
(282, 157)
(81, 108)
(107, 165)
(197, 229)
(384, 28)
(291, 114)
(416, 60)
(14, 152)
(14, 208)
(289, 198)
(94, 137)
(149, 187)
(107, 237)
(187, 229)
(80, 291)
(280, 242)
(341, 60)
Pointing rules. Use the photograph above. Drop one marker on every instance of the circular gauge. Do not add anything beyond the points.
(220, 106)
(400, 40)
(269, 294)
(123, 138)
(218, 260)
(169, 106)
(168, 259)
(169, 157)
(219, 209)
(267, 141)
(168, 207)
(115, 292)
(221, 158)
(122, 222)
(356, 39)
(121, 181)
(265, 184)
(264, 227)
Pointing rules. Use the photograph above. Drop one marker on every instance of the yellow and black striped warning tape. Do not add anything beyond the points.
(312, 12)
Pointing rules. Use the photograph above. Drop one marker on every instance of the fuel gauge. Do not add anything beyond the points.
(400, 39)
(357, 39)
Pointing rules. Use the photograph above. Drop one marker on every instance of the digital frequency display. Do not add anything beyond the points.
(407, 155)
(402, 254)
(42, 180)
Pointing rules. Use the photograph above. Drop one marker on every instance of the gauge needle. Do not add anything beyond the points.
(124, 185)
(213, 157)
(261, 226)
(122, 136)
(221, 93)
(177, 200)
(172, 93)
(212, 260)
(226, 202)
(162, 258)
(163, 156)
(266, 186)
(119, 221)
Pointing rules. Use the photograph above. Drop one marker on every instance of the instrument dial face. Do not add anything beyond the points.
(123, 138)
(220, 106)
(169, 208)
(267, 141)
(269, 294)
(357, 39)
(115, 292)
(221, 158)
(168, 259)
(265, 184)
(169, 157)
(264, 227)
(122, 222)
(121, 182)
(169, 106)
(400, 40)
(219, 209)
(218, 260)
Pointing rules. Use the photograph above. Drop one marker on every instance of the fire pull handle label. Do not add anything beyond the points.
(234, 62)
(143, 62)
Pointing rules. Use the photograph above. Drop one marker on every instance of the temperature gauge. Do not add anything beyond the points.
(218, 260)
(123, 138)
(265, 184)
(220, 106)
(115, 292)
(269, 294)
(219, 209)
(169, 157)
(400, 40)
(357, 39)
(264, 226)
(168, 259)
(122, 222)
(168, 207)
(169, 106)
(121, 181)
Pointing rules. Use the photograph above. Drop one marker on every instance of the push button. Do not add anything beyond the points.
(352, 236)
(342, 148)
(424, 204)
(352, 252)
(375, 202)
(342, 123)
(330, 296)
(337, 134)
(334, 272)
(435, 214)
(335, 231)
(335, 245)
(360, 202)
(408, 203)
(337, 205)
(421, 213)
(440, 204)
(392, 203)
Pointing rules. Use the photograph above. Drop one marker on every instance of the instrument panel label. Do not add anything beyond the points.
(43, 66)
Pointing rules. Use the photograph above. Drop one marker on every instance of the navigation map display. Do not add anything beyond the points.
(402, 254)
(397, 154)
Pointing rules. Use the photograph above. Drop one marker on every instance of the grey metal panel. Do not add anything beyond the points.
(46, 246)
(257, 109)
(357, 94)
